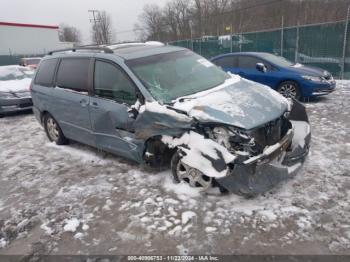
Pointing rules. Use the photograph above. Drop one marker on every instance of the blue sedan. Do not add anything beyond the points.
(289, 79)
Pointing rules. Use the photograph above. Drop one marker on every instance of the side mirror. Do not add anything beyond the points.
(261, 67)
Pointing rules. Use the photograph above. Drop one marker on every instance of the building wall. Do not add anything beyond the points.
(25, 40)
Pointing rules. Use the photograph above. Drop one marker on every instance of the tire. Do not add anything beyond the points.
(53, 131)
(289, 89)
(190, 175)
(173, 164)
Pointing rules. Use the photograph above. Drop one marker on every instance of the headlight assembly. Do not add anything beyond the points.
(221, 135)
(313, 78)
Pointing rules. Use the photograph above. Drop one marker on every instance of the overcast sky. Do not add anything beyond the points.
(124, 13)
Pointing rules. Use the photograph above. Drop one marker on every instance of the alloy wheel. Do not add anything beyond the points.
(192, 176)
(52, 129)
(288, 90)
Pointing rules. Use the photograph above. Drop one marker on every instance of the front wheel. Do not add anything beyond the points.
(289, 89)
(183, 172)
(53, 130)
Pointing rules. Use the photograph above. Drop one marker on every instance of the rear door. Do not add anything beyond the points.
(70, 106)
(114, 93)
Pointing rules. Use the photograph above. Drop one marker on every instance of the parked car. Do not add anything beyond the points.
(165, 105)
(289, 79)
(14, 89)
(31, 62)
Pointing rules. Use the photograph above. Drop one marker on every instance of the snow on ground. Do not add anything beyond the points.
(76, 200)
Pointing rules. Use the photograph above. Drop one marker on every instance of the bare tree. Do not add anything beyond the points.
(179, 18)
(102, 29)
(69, 34)
(153, 21)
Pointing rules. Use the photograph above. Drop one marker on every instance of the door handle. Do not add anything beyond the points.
(94, 104)
(83, 102)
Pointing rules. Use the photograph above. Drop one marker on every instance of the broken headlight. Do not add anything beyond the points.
(235, 140)
(221, 135)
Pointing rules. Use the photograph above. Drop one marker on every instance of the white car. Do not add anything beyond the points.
(14, 89)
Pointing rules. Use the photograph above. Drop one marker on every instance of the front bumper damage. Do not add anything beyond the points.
(15, 104)
(279, 162)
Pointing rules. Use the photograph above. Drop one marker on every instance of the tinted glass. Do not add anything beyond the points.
(73, 74)
(176, 74)
(46, 72)
(227, 61)
(277, 60)
(248, 62)
(112, 83)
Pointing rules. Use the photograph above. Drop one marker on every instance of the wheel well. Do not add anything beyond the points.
(156, 153)
(42, 115)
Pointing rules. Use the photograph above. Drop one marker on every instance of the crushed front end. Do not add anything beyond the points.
(266, 155)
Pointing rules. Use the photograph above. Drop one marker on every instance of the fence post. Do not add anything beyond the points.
(296, 58)
(240, 41)
(231, 49)
(344, 44)
(282, 34)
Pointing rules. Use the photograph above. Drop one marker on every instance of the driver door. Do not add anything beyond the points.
(114, 93)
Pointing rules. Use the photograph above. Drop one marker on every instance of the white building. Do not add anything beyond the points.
(29, 39)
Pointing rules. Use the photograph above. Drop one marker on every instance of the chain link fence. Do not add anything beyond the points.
(322, 45)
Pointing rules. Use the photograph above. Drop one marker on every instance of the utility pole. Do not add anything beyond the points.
(95, 19)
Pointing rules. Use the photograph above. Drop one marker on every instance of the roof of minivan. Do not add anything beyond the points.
(130, 51)
(138, 51)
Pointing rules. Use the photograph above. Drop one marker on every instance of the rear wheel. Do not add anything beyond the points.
(289, 89)
(53, 130)
(183, 172)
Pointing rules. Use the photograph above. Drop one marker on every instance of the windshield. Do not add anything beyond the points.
(277, 60)
(172, 75)
(15, 73)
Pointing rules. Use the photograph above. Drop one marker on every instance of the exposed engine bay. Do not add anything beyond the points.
(242, 161)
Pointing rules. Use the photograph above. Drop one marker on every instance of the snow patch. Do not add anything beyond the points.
(195, 146)
(188, 216)
(71, 225)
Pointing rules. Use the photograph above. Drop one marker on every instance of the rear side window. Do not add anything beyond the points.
(73, 74)
(112, 83)
(46, 71)
(227, 61)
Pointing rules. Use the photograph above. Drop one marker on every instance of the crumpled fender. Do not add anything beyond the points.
(150, 124)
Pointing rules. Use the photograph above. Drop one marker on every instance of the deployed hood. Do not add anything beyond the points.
(238, 102)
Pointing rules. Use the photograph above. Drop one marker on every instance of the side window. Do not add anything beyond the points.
(45, 73)
(249, 62)
(112, 83)
(227, 61)
(73, 74)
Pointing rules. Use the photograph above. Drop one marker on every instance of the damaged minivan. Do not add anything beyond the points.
(167, 106)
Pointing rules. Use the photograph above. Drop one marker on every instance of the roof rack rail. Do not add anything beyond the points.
(104, 49)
